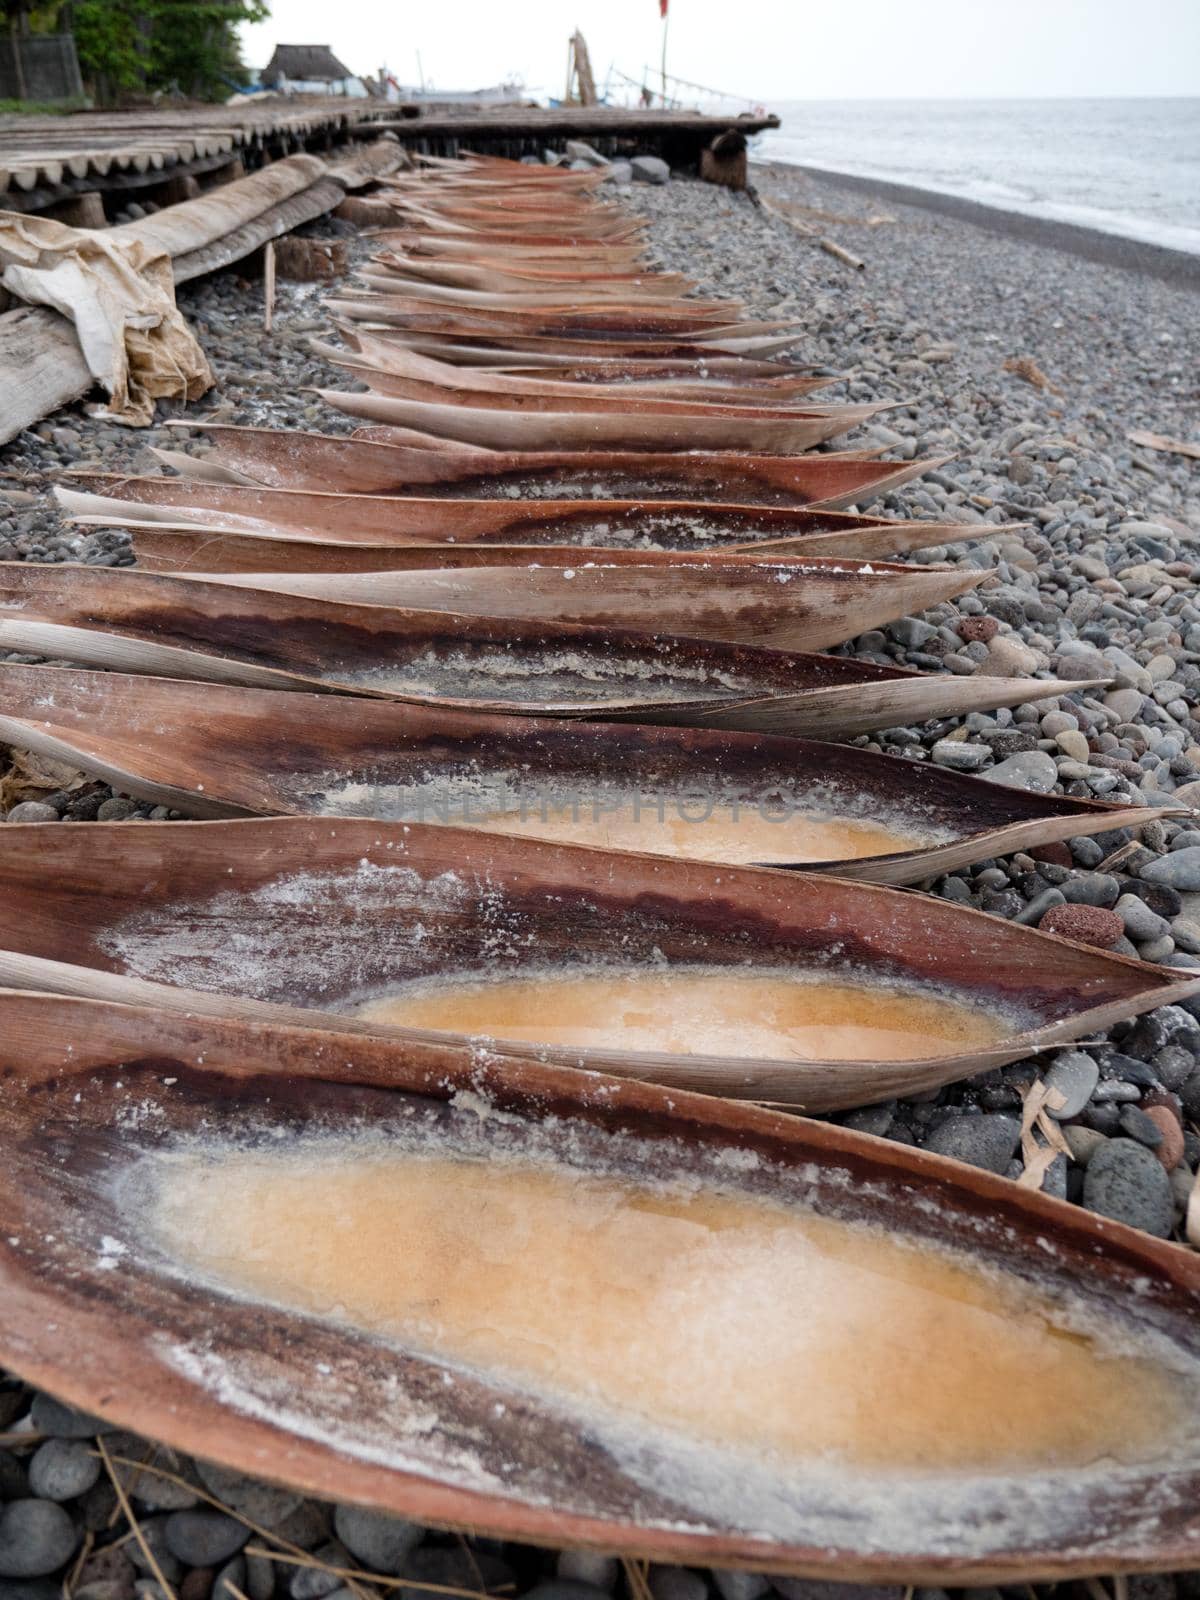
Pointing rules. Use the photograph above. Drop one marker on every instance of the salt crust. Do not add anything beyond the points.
(970, 1516)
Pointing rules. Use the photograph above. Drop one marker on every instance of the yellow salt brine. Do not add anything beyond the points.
(739, 835)
(720, 1317)
(778, 1015)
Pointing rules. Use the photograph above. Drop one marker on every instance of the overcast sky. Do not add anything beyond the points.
(769, 50)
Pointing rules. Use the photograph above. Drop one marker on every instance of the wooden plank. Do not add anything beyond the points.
(311, 203)
(567, 122)
(41, 346)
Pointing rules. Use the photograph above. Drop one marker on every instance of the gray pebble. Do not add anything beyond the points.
(231, 1576)
(740, 1585)
(1140, 922)
(1074, 1075)
(314, 1583)
(1037, 908)
(51, 1417)
(1173, 1066)
(1029, 769)
(32, 1589)
(62, 1468)
(1126, 1182)
(14, 1480)
(260, 1577)
(1183, 1181)
(1091, 889)
(148, 1488)
(565, 1589)
(99, 1507)
(264, 1503)
(986, 1141)
(650, 169)
(380, 1542)
(308, 1526)
(677, 1583)
(32, 811)
(960, 755)
(1083, 1142)
(1087, 853)
(1180, 869)
(588, 1566)
(871, 1119)
(454, 1567)
(116, 810)
(1139, 1126)
(117, 1588)
(36, 1538)
(204, 1538)
(1116, 1092)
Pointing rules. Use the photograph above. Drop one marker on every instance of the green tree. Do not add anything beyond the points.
(142, 46)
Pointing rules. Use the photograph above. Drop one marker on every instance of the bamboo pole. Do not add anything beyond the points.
(269, 285)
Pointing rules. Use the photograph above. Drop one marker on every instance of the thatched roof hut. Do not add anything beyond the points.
(305, 63)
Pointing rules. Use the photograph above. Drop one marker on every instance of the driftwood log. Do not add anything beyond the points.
(41, 367)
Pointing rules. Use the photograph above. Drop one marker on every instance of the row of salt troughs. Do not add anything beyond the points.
(577, 545)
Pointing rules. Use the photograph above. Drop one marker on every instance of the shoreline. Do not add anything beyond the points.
(1178, 267)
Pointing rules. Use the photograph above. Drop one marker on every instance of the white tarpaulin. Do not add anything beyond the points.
(119, 293)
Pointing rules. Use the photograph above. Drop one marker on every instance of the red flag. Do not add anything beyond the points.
(662, 9)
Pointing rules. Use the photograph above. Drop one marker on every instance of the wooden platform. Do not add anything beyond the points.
(677, 136)
(45, 161)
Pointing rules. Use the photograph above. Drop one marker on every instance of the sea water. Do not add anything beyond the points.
(1127, 167)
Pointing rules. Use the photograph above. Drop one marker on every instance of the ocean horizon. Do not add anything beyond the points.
(1127, 167)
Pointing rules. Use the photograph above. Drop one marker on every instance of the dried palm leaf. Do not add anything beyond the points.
(376, 525)
(213, 751)
(188, 628)
(280, 459)
(610, 418)
(390, 927)
(648, 295)
(756, 340)
(167, 547)
(785, 602)
(539, 357)
(680, 383)
(107, 1110)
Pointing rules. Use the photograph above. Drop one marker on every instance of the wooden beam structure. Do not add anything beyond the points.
(46, 160)
(678, 136)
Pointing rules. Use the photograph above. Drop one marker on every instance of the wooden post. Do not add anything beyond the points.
(18, 60)
(724, 161)
(80, 211)
(311, 260)
(269, 284)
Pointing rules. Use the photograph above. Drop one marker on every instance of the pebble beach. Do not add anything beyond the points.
(1028, 368)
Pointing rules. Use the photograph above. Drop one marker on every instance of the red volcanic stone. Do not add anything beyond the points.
(1170, 1151)
(978, 630)
(1088, 924)
(1056, 852)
